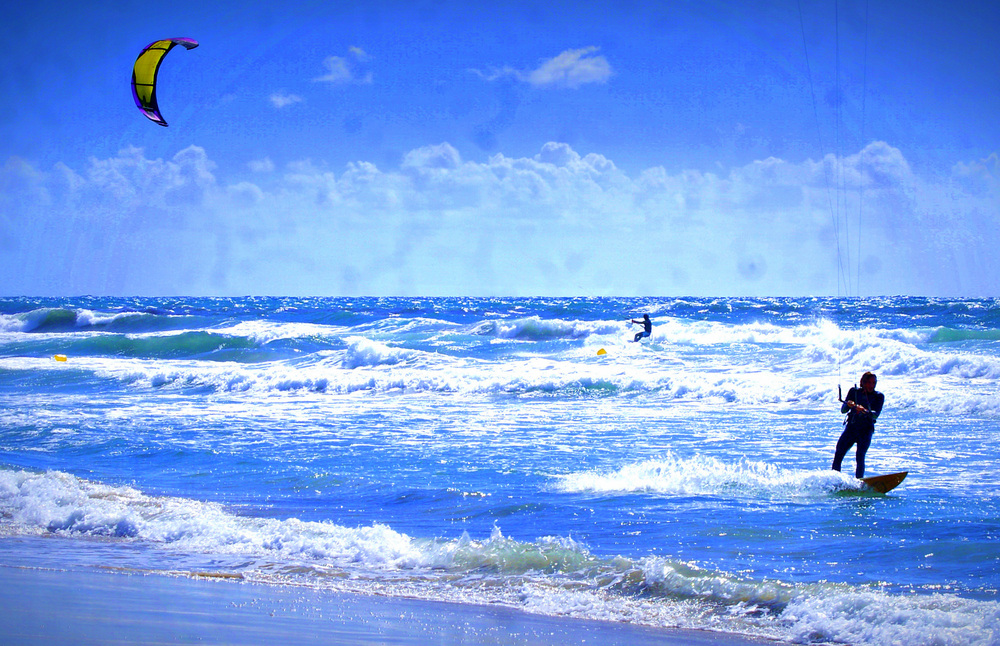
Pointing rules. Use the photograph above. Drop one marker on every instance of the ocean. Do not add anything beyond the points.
(482, 451)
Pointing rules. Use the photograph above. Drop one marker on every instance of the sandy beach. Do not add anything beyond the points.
(45, 606)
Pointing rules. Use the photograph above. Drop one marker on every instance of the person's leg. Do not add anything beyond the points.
(844, 445)
(864, 441)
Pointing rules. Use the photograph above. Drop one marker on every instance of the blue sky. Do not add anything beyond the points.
(439, 148)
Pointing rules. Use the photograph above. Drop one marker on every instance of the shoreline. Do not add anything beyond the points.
(94, 607)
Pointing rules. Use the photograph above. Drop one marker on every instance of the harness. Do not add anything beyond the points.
(855, 418)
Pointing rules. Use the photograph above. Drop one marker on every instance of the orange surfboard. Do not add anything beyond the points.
(886, 483)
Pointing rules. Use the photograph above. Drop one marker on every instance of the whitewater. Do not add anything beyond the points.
(482, 451)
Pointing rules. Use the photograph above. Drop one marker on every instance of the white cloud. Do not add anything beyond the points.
(358, 54)
(337, 70)
(282, 100)
(557, 222)
(570, 69)
(980, 176)
(347, 69)
(441, 156)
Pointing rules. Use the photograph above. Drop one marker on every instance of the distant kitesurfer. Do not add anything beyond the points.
(862, 406)
(647, 327)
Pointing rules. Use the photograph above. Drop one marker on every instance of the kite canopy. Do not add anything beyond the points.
(144, 75)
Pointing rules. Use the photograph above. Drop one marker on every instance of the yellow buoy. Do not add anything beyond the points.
(602, 351)
(60, 357)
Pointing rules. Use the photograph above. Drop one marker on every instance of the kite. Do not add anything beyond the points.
(144, 75)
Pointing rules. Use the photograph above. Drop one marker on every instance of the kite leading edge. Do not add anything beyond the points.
(144, 75)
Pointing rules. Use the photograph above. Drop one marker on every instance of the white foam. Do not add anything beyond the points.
(366, 352)
(673, 475)
(536, 328)
(61, 503)
(26, 321)
(264, 332)
(80, 318)
(89, 318)
(854, 616)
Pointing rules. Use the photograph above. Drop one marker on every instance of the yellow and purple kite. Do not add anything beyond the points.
(144, 75)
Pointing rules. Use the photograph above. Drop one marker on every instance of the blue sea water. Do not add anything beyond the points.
(482, 451)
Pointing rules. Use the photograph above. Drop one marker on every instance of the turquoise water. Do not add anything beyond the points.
(481, 451)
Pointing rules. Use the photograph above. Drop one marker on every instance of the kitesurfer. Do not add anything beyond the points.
(647, 327)
(862, 406)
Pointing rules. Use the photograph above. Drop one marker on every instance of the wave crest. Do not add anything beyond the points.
(535, 328)
(363, 352)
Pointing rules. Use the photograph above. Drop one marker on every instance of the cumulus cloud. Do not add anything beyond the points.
(352, 68)
(556, 222)
(441, 156)
(570, 69)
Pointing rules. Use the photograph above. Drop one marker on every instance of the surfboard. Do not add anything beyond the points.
(886, 483)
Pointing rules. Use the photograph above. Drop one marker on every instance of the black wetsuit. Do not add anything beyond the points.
(647, 328)
(858, 427)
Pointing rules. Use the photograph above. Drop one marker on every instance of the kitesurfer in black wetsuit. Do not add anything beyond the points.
(647, 327)
(862, 406)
